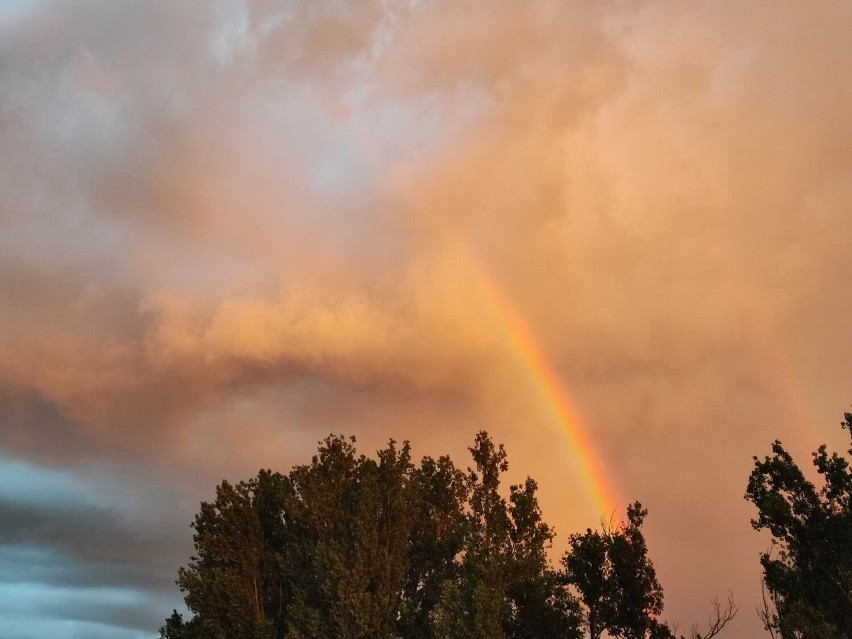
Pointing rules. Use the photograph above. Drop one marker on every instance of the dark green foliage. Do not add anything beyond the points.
(504, 588)
(359, 516)
(228, 578)
(617, 585)
(586, 568)
(176, 628)
(615, 579)
(439, 495)
(357, 548)
(808, 572)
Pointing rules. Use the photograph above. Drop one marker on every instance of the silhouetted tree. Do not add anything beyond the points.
(808, 572)
(617, 584)
(359, 514)
(439, 495)
(504, 587)
(356, 548)
(232, 583)
(176, 628)
(615, 579)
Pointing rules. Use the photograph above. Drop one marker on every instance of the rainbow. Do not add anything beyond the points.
(548, 386)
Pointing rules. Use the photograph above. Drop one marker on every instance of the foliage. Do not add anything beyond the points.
(176, 628)
(355, 548)
(617, 584)
(504, 587)
(615, 578)
(808, 572)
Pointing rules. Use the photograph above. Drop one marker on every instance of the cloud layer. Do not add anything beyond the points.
(228, 228)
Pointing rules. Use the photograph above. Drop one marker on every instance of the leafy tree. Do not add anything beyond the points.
(617, 584)
(808, 571)
(346, 546)
(227, 582)
(539, 605)
(354, 548)
(176, 628)
(504, 588)
(354, 562)
(587, 568)
(439, 494)
(615, 578)
(473, 604)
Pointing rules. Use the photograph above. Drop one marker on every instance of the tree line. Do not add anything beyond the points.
(354, 547)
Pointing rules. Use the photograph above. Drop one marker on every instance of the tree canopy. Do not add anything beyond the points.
(615, 579)
(807, 573)
(353, 547)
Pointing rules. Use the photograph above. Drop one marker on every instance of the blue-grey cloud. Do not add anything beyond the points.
(85, 551)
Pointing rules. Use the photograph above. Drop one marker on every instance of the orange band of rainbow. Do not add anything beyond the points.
(548, 386)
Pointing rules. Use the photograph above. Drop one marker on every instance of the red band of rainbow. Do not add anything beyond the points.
(548, 386)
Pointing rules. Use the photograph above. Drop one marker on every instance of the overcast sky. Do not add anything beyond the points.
(228, 228)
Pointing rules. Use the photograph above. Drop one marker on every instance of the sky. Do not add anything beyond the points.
(613, 234)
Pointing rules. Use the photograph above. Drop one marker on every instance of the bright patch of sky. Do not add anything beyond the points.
(32, 612)
(36, 628)
(47, 592)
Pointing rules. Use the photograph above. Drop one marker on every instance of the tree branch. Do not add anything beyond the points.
(719, 618)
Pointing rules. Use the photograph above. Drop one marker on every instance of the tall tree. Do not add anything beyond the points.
(438, 496)
(355, 548)
(359, 514)
(227, 582)
(504, 588)
(615, 579)
(808, 571)
(587, 569)
(617, 584)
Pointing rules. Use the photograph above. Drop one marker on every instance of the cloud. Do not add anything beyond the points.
(87, 549)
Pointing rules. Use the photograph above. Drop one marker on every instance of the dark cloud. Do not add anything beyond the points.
(86, 550)
(86, 532)
(31, 562)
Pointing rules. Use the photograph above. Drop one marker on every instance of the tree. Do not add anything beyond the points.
(808, 571)
(439, 495)
(617, 584)
(353, 559)
(504, 588)
(228, 580)
(176, 628)
(353, 547)
(539, 605)
(472, 605)
(615, 578)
